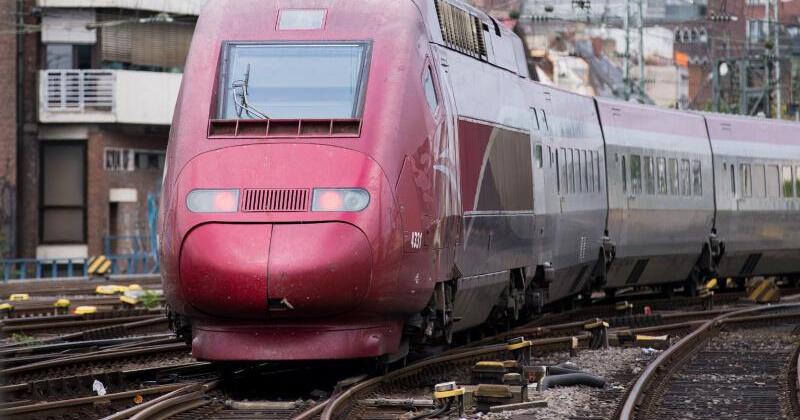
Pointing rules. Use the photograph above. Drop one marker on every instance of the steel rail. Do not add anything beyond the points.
(176, 403)
(638, 391)
(339, 402)
(93, 357)
(39, 406)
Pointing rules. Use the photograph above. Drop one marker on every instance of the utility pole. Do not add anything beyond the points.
(626, 68)
(778, 99)
(641, 50)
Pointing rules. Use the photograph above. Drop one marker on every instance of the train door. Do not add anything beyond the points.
(541, 161)
(618, 168)
(445, 154)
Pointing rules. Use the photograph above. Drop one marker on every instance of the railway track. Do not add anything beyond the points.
(99, 351)
(741, 365)
(61, 324)
(99, 362)
(73, 286)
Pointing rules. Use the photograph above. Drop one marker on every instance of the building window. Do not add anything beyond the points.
(58, 56)
(63, 192)
(756, 31)
(148, 159)
(68, 56)
(117, 159)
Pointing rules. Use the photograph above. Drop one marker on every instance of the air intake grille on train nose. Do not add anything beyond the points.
(274, 200)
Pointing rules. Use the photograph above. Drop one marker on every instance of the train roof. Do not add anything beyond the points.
(739, 128)
(651, 118)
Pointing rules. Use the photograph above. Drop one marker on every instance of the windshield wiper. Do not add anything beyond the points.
(241, 98)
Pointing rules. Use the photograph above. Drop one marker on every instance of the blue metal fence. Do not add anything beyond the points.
(137, 260)
(28, 268)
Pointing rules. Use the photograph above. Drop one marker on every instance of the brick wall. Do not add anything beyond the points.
(131, 219)
(8, 128)
(28, 156)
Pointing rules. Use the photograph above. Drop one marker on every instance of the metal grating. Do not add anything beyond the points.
(275, 200)
(461, 31)
(78, 90)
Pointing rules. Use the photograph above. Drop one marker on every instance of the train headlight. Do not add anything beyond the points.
(350, 199)
(213, 201)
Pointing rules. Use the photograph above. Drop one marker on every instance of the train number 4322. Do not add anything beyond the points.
(416, 240)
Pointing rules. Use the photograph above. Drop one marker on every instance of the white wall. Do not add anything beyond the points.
(146, 97)
(140, 97)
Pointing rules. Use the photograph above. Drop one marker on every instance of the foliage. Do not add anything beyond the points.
(22, 338)
(514, 14)
(151, 300)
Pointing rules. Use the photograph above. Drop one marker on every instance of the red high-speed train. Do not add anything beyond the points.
(348, 177)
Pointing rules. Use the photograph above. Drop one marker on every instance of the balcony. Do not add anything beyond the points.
(181, 7)
(107, 96)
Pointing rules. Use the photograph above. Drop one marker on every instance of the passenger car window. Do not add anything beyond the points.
(649, 182)
(578, 170)
(544, 121)
(674, 184)
(430, 90)
(564, 177)
(661, 165)
(535, 119)
(759, 179)
(585, 169)
(599, 172)
(788, 182)
(773, 181)
(539, 163)
(591, 171)
(571, 170)
(558, 171)
(747, 180)
(624, 176)
(636, 174)
(697, 177)
(686, 177)
(797, 180)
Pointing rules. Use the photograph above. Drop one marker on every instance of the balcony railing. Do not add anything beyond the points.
(79, 90)
(107, 96)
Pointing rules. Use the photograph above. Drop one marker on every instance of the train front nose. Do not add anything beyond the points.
(259, 261)
(281, 270)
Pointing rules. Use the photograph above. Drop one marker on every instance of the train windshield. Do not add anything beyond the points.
(293, 81)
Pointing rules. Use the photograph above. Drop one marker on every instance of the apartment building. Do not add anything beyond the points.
(100, 80)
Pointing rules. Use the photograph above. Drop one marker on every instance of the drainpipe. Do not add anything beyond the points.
(17, 216)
